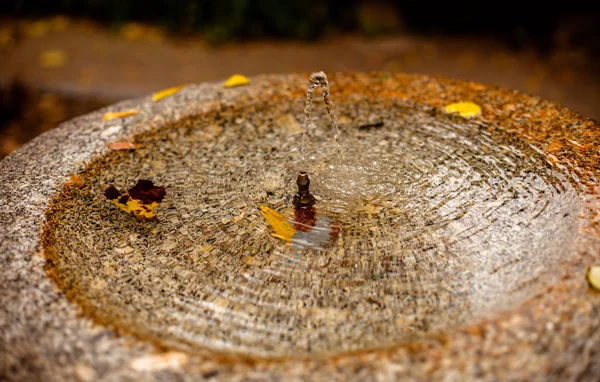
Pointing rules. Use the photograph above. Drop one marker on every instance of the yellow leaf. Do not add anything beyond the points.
(54, 58)
(140, 201)
(464, 109)
(118, 114)
(166, 93)
(279, 224)
(236, 80)
(138, 209)
(593, 276)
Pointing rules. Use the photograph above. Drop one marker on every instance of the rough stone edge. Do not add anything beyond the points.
(67, 346)
(29, 178)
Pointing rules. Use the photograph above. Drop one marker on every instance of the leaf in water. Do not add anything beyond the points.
(236, 80)
(464, 109)
(118, 114)
(140, 201)
(121, 146)
(282, 229)
(166, 93)
(593, 276)
(54, 58)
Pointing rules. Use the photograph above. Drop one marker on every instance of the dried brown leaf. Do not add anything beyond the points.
(140, 201)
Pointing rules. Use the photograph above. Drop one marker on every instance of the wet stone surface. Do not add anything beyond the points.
(442, 222)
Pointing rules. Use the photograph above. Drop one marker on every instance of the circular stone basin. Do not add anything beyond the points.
(458, 241)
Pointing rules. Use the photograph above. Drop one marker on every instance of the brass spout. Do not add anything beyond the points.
(303, 199)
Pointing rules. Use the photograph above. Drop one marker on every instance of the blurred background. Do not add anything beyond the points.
(63, 58)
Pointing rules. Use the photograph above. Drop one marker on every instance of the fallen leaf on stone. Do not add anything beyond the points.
(593, 276)
(282, 229)
(121, 146)
(464, 109)
(54, 58)
(119, 114)
(236, 80)
(140, 201)
(166, 93)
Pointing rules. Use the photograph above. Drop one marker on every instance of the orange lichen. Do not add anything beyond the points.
(554, 146)
(75, 181)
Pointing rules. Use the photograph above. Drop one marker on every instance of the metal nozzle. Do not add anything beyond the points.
(303, 199)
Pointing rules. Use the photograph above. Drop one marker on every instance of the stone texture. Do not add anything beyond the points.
(43, 336)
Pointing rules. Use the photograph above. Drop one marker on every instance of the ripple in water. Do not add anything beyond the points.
(442, 222)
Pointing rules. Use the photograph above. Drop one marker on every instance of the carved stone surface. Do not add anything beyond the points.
(463, 258)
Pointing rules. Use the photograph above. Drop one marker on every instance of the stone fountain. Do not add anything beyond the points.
(456, 246)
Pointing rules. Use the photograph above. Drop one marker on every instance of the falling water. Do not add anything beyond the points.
(319, 79)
